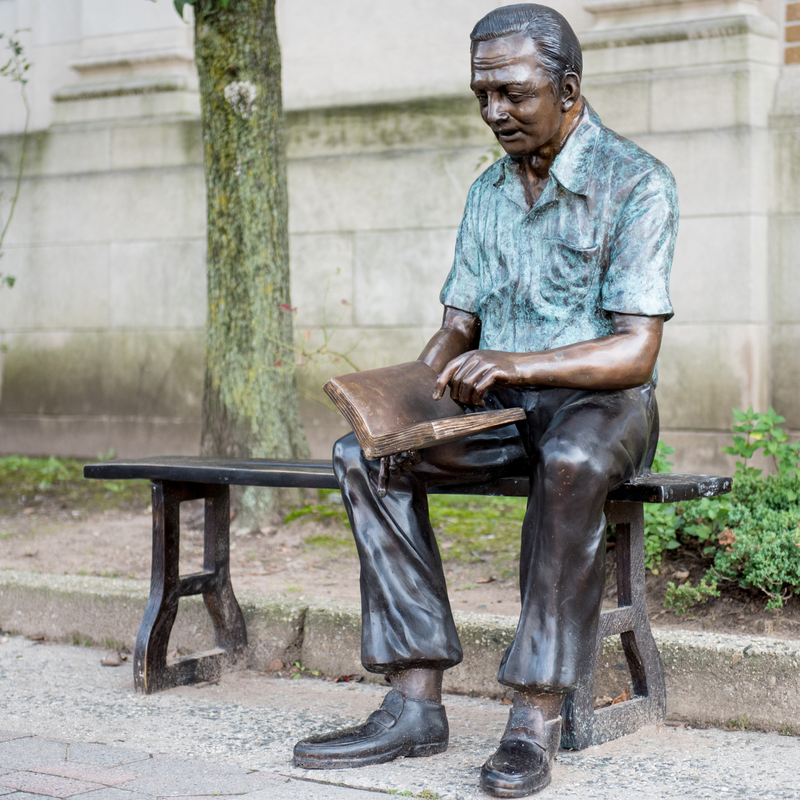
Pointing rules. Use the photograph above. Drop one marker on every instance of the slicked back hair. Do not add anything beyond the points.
(557, 45)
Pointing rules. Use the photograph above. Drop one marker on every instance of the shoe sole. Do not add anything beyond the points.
(411, 751)
(508, 791)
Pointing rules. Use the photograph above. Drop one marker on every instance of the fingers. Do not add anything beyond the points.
(447, 373)
(471, 380)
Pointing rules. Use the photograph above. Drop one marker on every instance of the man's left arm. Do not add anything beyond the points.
(622, 360)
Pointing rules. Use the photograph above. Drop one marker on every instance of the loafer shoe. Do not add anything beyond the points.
(521, 765)
(400, 727)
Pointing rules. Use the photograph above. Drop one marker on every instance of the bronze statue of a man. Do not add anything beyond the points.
(555, 304)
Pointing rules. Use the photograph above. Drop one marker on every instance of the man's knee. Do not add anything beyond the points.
(568, 464)
(346, 455)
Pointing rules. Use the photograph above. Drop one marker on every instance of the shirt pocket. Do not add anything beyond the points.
(568, 272)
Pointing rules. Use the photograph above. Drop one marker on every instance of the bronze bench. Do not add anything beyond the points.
(177, 479)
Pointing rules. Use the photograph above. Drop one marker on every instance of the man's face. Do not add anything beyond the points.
(516, 97)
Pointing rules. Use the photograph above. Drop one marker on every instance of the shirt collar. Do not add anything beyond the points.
(572, 167)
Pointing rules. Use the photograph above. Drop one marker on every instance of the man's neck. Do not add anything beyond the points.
(536, 166)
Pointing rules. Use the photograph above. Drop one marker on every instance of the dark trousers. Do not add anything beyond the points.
(575, 447)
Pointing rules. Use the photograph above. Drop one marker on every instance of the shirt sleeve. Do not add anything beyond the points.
(462, 288)
(637, 279)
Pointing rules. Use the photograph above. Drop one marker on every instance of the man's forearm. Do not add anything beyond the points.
(620, 361)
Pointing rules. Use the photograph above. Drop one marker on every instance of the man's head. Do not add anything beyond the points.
(526, 71)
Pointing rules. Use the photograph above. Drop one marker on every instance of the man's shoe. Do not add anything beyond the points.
(521, 765)
(400, 727)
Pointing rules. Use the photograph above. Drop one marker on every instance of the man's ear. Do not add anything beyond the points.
(570, 91)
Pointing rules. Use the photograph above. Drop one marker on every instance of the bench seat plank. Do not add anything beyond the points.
(649, 488)
(234, 472)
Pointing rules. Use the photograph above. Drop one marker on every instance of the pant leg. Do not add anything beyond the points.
(583, 444)
(406, 616)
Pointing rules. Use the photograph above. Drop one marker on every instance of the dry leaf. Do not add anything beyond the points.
(622, 698)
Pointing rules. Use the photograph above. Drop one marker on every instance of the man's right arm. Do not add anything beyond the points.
(458, 334)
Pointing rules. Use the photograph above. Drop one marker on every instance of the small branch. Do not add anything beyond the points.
(16, 67)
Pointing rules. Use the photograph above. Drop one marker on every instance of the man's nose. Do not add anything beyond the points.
(495, 109)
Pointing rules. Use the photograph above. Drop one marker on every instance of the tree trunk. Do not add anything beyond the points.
(250, 405)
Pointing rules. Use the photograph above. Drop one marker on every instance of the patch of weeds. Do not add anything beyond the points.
(473, 528)
(330, 541)
(739, 723)
(427, 794)
(292, 588)
(58, 483)
(328, 509)
(469, 528)
(682, 598)
(298, 670)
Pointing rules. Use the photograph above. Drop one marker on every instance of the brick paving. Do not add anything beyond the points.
(91, 771)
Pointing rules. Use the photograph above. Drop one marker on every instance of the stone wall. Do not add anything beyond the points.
(103, 333)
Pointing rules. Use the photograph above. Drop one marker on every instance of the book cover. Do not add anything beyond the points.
(392, 409)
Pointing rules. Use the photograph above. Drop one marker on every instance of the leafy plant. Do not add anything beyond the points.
(661, 526)
(660, 461)
(762, 432)
(684, 597)
(661, 522)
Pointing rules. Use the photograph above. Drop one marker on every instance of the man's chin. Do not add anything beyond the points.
(514, 148)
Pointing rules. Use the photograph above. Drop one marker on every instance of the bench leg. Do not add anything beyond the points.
(229, 625)
(583, 726)
(151, 669)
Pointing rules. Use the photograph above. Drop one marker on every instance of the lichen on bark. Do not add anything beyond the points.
(250, 406)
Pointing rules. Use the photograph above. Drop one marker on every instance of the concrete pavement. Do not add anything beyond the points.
(73, 727)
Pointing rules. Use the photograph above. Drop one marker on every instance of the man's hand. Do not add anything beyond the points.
(472, 373)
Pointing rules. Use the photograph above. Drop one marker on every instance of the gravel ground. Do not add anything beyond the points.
(251, 721)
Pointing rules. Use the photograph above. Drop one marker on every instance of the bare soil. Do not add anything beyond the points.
(313, 559)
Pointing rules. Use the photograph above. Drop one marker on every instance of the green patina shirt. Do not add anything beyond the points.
(599, 239)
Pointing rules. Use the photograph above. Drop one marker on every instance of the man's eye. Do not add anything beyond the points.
(482, 99)
(515, 98)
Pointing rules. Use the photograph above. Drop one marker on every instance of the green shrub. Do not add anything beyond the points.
(752, 533)
(684, 597)
(760, 549)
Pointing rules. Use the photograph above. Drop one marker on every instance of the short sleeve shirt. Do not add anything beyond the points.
(599, 239)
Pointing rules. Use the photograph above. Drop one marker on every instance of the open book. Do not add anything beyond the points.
(392, 409)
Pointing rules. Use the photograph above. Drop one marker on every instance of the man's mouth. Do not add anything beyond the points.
(507, 134)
